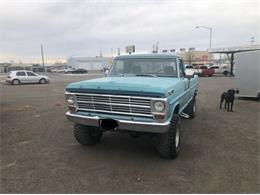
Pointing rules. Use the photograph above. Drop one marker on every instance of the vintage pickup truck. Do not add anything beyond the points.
(142, 93)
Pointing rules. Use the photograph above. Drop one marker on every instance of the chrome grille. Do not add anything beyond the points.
(114, 104)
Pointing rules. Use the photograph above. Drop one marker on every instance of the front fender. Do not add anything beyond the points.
(172, 108)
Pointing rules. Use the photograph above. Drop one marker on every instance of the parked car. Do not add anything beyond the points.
(79, 71)
(206, 71)
(203, 70)
(189, 67)
(220, 69)
(20, 76)
(143, 93)
(68, 70)
(197, 70)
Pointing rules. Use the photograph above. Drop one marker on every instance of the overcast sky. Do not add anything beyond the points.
(83, 28)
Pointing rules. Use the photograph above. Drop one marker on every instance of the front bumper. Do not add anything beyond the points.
(8, 80)
(137, 126)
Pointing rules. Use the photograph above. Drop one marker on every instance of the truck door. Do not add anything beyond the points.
(186, 83)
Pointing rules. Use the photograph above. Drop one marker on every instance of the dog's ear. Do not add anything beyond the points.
(233, 91)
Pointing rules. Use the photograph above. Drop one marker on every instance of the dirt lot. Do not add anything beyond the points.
(220, 150)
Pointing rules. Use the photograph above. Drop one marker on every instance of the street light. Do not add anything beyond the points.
(210, 33)
(210, 36)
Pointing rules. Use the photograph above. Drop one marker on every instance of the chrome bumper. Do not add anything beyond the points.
(150, 127)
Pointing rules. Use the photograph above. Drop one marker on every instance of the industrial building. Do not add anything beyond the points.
(195, 57)
(89, 63)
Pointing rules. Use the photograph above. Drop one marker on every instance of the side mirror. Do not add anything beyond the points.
(106, 73)
(189, 73)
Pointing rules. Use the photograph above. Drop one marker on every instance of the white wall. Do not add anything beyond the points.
(90, 63)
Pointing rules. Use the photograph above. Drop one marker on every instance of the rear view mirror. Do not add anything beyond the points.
(189, 73)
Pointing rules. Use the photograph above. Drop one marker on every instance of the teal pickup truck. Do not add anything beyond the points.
(142, 93)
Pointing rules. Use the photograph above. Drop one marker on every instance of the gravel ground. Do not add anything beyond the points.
(220, 150)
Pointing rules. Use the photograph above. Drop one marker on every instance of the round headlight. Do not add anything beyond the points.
(159, 106)
(71, 100)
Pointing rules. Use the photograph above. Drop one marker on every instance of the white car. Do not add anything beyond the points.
(189, 67)
(220, 70)
(21, 76)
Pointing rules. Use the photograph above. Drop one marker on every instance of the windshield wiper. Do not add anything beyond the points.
(146, 75)
(126, 74)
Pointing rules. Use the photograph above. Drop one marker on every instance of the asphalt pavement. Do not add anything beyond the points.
(219, 154)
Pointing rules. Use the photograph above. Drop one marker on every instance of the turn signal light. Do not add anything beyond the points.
(159, 117)
(72, 109)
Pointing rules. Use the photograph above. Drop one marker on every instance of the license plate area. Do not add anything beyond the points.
(108, 124)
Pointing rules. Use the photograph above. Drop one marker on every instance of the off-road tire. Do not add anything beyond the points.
(134, 135)
(16, 82)
(191, 108)
(42, 81)
(86, 135)
(166, 142)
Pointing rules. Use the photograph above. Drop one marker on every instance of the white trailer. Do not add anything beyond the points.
(247, 73)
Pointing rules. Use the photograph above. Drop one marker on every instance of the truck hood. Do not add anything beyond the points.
(138, 86)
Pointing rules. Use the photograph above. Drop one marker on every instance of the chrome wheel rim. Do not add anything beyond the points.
(42, 81)
(194, 107)
(177, 137)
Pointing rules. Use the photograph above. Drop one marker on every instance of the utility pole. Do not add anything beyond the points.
(210, 37)
(252, 40)
(42, 59)
(157, 46)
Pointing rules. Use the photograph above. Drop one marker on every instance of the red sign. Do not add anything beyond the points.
(205, 57)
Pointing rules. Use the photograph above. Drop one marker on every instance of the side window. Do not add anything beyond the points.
(181, 68)
(119, 66)
(30, 74)
(20, 74)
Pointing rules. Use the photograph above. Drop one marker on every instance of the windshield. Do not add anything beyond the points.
(144, 67)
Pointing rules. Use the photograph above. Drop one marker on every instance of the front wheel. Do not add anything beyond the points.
(87, 136)
(168, 144)
(43, 81)
(16, 82)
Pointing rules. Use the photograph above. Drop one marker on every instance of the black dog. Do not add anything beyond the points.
(229, 98)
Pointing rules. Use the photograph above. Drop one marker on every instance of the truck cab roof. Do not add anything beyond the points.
(148, 55)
